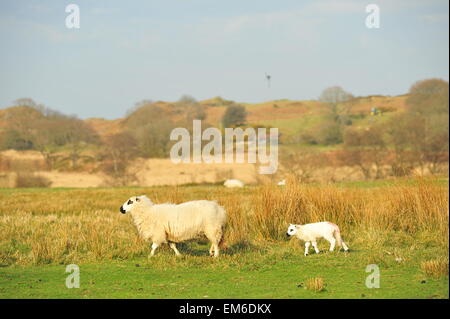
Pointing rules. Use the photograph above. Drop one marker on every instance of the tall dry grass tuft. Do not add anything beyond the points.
(435, 268)
(315, 284)
(237, 228)
(42, 239)
(422, 206)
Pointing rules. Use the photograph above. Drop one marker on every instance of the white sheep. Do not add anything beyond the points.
(171, 223)
(232, 183)
(282, 183)
(311, 232)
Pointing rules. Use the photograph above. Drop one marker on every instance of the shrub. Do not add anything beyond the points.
(329, 133)
(11, 139)
(32, 180)
(235, 115)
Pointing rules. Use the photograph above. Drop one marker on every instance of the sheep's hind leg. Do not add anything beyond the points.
(174, 247)
(214, 235)
(154, 246)
(216, 249)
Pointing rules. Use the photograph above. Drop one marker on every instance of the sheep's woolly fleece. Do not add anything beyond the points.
(231, 183)
(171, 223)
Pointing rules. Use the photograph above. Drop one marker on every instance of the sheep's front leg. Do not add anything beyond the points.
(307, 247)
(314, 243)
(154, 246)
(174, 247)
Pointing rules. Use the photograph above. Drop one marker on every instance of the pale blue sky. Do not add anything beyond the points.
(128, 51)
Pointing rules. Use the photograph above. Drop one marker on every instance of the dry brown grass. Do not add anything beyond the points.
(435, 268)
(421, 206)
(56, 226)
(315, 284)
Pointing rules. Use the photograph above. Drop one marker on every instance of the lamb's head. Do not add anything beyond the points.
(135, 201)
(292, 229)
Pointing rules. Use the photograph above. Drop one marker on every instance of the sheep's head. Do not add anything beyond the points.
(135, 200)
(292, 229)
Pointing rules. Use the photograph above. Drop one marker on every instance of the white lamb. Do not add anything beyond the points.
(232, 183)
(311, 232)
(171, 223)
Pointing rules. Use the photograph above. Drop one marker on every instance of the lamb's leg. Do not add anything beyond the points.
(174, 247)
(332, 241)
(339, 240)
(345, 246)
(154, 246)
(211, 250)
(314, 244)
(307, 247)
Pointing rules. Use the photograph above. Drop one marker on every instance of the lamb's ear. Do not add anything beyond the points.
(297, 226)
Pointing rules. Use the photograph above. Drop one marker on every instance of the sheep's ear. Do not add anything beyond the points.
(297, 226)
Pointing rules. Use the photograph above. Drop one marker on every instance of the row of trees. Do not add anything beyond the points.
(415, 138)
(337, 103)
(418, 137)
(148, 126)
(28, 125)
(31, 126)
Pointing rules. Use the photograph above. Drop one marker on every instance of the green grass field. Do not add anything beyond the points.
(278, 272)
(43, 230)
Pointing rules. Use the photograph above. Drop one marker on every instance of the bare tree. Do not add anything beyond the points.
(337, 100)
(303, 164)
(428, 96)
(191, 109)
(420, 135)
(120, 150)
(365, 148)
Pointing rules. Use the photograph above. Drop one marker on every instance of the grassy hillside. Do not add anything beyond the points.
(291, 117)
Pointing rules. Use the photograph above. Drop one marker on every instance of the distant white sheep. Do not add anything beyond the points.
(311, 232)
(232, 183)
(171, 223)
(282, 183)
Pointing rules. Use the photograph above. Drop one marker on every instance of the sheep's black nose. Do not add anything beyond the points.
(287, 234)
(122, 210)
